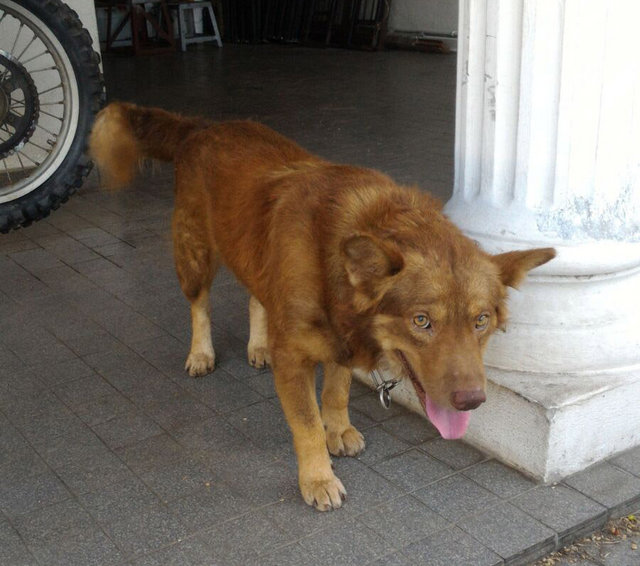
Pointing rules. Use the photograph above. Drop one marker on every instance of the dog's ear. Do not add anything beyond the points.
(515, 265)
(369, 260)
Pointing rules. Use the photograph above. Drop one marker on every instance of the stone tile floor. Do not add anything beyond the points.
(111, 455)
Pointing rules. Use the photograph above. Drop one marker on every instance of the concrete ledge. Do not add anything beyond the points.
(550, 427)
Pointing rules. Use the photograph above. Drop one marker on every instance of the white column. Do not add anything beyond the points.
(548, 153)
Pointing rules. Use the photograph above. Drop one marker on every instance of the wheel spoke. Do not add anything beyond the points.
(27, 47)
(4, 161)
(50, 89)
(17, 37)
(45, 52)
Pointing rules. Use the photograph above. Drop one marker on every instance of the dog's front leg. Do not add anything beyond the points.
(295, 385)
(343, 439)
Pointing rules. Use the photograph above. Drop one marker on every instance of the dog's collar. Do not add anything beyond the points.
(383, 387)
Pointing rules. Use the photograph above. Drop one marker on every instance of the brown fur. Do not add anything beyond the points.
(341, 264)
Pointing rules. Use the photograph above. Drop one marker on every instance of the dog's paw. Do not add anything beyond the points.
(199, 364)
(348, 442)
(258, 356)
(324, 495)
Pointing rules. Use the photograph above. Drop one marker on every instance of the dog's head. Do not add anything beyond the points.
(433, 306)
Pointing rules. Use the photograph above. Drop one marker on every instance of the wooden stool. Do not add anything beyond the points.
(187, 9)
(140, 13)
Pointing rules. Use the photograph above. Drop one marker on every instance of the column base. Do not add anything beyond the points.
(550, 427)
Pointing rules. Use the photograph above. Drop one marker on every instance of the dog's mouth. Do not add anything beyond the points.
(451, 424)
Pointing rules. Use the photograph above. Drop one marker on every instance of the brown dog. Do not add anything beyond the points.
(345, 268)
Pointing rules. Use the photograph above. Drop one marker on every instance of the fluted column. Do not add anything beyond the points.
(548, 153)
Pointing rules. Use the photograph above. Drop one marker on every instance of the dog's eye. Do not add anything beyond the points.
(482, 321)
(422, 321)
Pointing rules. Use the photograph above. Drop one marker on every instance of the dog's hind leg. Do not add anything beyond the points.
(258, 348)
(343, 439)
(197, 261)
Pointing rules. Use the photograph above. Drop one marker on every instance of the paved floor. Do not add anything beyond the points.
(110, 454)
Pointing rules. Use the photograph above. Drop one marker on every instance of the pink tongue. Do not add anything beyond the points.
(450, 423)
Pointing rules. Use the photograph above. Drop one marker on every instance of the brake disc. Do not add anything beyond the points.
(19, 105)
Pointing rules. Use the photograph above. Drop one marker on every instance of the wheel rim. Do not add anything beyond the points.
(39, 102)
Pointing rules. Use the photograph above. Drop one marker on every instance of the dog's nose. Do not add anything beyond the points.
(468, 400)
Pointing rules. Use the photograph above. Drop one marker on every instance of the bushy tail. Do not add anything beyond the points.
(124, 134)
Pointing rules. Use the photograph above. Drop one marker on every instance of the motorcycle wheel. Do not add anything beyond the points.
(50, 91)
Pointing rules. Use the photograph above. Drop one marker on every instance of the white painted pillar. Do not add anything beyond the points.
(548, 153)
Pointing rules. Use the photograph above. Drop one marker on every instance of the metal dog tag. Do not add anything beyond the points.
(383, 387)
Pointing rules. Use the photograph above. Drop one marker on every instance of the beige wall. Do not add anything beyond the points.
(439, 16)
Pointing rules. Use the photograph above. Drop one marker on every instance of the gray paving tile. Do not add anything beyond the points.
(298, 519)
(118, 501)
(36, 346)
(9, 362)
(90, 473)
(290, 555)
(13, 445)
(628, 461)
(350, 543)
(454, 453)
(104, 409)
(65, 279)
(238, 366)
(128, 326)
(79, 547)
(145, 529)
(46, 524)
(562, 509)
(265, 485)
(241, 540)
(361, 421)
(79, 444)
(392, 559)
(31, 492)
(210, 504)
(63, 372)
(263, 423)
(499, 479)
(64, 534)
(380, 445)
(19, 462)
(20, 285)
(43, 429)
(126, 429)
(190, 552)
(411, 428)
(221, 391)
(263, 383)
(182, 409)
(83, 390)
(171, 480)
(450, 547)
(509, 532)
(369, 404)
(456, 497)
(211, 434)
(151, 453)
(616, 489)
(403, 521)
(13, 552)
(365, 488)
(230, 461)
(35, 260)
(67, 249)
(122, 368)
(412, 469)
